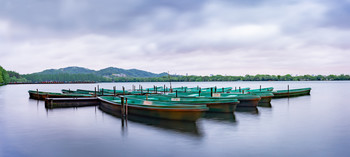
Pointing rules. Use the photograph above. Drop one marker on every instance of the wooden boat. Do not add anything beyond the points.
(40, 95)
(184, 127)
(214, 105)
(216, 90)
(291, 92)
(245, 100)
(260, 90)
(265, 96)
(82, 91)
(154, 109)
(101, 92)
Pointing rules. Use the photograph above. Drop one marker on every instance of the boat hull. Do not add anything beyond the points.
(162, 113)
(43, 96)
(222, 107)
(248, 102)
(265, 99)
(291, 94)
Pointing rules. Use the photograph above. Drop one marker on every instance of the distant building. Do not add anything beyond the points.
(119, 75)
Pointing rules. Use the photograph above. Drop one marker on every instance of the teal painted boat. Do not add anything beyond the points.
(291, 92)
(216, 90)
(185, 127)
(83, 91)
(154, 109)
(260, 90)
(265, 96)
(245, 100)
(214, 105)
(40, 95)
(117, 92)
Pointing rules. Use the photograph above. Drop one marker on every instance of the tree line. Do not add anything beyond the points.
(4, 76)
(258, 77)
(178, 78)
(14, 77)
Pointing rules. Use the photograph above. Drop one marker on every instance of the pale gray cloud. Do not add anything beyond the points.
(197, 37)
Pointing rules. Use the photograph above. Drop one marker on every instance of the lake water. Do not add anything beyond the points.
(314, 125)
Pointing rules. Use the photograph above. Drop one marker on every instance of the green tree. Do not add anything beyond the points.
(5, 78)
(1, 79)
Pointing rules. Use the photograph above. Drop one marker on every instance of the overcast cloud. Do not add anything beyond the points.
(200, 37)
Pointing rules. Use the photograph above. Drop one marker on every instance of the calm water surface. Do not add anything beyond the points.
(315, 125)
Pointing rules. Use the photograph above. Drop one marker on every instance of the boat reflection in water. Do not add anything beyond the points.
(266, 105)
(250, 110)
(220, 116)
(186, 127)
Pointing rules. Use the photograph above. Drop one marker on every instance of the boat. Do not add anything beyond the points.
(291, 92)
(245, 100)
(265, 96)
(40, 95)
(183, 127)
(153, 109)
(216, 90)
(214, 105)
(260, 90)
(83, 91)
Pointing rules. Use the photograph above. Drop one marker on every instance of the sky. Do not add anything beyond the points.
(198, 37)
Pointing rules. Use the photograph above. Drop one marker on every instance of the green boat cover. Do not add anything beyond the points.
(153, 104)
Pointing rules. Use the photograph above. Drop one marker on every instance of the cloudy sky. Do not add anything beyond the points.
(200, 37)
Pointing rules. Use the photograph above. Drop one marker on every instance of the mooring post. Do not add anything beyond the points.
(123, 90)
(211, 92)
(147, 90)
(114, 92)
(37, 93)
(141, 91)
(156, 90)
(126, 107)
(164, 89)
(239, 89)
(98, 88)
(223, 90)
(215, 89)
(199, 92)
(122, 107)
(260, 88)
(288, 90)
(185, 89)
(95, 92)
(102, 91)
(176, 93)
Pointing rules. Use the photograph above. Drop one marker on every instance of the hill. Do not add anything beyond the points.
(109, 72)
(80, 74)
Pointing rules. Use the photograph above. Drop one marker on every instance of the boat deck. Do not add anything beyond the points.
(71, 102)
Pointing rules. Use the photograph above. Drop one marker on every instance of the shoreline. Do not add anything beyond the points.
(19, 83)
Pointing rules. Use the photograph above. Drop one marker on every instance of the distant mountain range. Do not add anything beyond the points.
(109, 72)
